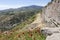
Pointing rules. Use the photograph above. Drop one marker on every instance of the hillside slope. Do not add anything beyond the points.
(12, 17)
(29, 32)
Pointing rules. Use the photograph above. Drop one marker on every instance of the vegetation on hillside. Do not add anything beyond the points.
(17, 34)
(13, 21)
(22, 35)
(13, 17)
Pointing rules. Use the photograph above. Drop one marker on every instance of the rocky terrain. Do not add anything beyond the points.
(51, 18)
(51, 14)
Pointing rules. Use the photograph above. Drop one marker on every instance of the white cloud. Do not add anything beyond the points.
(2, 7)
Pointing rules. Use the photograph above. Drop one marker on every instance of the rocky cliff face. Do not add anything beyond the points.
(51, 14)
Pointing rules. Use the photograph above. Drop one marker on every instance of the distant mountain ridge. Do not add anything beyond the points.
(32, 7)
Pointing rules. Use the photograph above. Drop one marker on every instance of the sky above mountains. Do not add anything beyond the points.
(6, 4)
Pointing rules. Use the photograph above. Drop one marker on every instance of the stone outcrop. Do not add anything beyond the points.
(51, 18)
(55, 36)
(51, 14)
(47, 31)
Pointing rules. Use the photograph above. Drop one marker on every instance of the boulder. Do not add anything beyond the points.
(47, 31)
(55, 36)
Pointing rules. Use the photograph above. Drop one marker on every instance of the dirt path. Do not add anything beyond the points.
(35, 24)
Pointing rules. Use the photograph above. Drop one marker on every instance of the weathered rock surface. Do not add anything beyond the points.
(51, 14)
(52, 33)
(51, 18)
(55, 36)
(49, 31)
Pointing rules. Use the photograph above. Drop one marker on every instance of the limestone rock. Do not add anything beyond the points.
(55, 36)
(49, 31)
(51, 14)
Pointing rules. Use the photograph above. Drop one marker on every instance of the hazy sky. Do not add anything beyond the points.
(5, 4)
